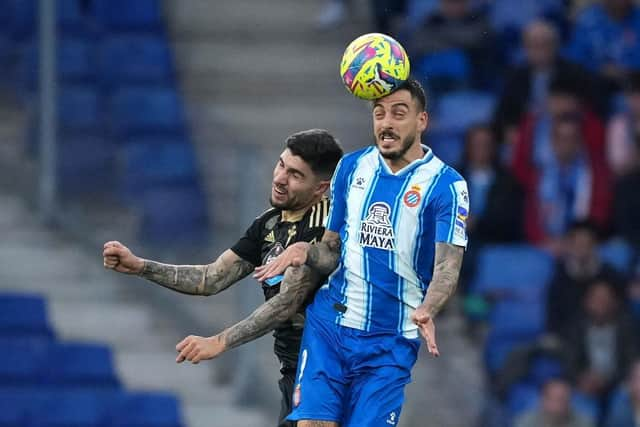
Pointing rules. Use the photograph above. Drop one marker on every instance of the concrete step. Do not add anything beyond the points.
(121, 324)
(207, 415)
(159, 370)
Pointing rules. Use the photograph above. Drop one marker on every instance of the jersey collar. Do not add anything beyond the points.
(428, 155)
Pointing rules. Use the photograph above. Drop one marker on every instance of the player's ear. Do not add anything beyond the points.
(322, 187)
(423, 121)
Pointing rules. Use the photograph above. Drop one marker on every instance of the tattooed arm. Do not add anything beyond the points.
(322, 257)
(297, 284)
(448, 261)
(187, 279)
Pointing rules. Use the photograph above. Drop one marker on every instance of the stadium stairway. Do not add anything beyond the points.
(86, 303)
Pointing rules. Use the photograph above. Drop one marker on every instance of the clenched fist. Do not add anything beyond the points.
(118, 257)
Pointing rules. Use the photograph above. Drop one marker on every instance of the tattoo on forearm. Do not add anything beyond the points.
(296, 285)
(448, 261)
(197, 279)
(324, 256)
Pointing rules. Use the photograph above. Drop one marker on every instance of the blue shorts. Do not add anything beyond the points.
(352, 377)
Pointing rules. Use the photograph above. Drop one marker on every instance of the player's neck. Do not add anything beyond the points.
(297, 214)
(414, 153)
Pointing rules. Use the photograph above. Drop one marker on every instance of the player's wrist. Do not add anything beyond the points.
(140, 266)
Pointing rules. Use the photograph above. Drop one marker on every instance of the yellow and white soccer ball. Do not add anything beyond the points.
(374, 65)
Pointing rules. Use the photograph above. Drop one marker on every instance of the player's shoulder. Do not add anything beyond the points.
(270, 215)
(318, 213)
(447, 174)
(352, 158)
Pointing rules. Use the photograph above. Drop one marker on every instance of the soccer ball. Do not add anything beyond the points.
(374, 65)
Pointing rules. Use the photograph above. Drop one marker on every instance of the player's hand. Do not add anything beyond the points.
(427, 329)
(194, 348)
(118, 257)
(295, 255)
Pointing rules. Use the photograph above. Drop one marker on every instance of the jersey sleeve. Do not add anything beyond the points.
(452, 211)
(338, 208)
(249, 245)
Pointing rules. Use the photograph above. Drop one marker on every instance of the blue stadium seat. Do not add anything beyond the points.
(174, 214)
(22, 360)
(23, 315)
(139, 15)
(163, 161)
(446, 69)
(515, 318)
(19, 404)
(514, 270)
(503, 15)
(617, 253)
(78, 108)
(72, 408)
(145, 409)
(448, 146)
(585, 405)
(75, 62)
(521, 398)
(498, 347)
(80, 364)
(543, 368)
(456, 111)
(418, 10)
(140, 110)
(135, 59)
(86, 164)
(70, 17)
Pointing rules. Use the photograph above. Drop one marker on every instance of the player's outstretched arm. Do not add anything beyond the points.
(297, 284)
(206, 279)
(448, 261)
(322, 257)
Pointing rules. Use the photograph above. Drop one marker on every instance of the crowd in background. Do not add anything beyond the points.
(557, 167)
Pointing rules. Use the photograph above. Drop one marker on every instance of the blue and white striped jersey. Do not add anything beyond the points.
(389, 223)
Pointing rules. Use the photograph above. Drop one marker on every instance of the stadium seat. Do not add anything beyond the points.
(521, 398)
(178, 215)
(22, 360)
(140, 110)
(618, 254)
(448, 146)
(72, 408)
(498, 347)
(503, 15)
(418, 10)
(80, 364)
(166, 161)
(23, 23)
(448, 69)
(543, 368)
(139, 15)
(135, 59)
(523, 272)
(145, 409)
(18, 405)
(78, 109)
(515, 318)
(23, 315)
(86, 164)
(456, 111)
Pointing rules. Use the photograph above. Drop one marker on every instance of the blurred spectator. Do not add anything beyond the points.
(627, 200)
(455, 25)
(633, 294)
(606, 39)
(579, 266)
(527, 85)
(555, 409)
(557, 157)
(601, 342)
(386, 13)
(625, 410)
(624, 130)
(496, 205)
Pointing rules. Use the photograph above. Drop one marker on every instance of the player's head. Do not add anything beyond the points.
(304, 169)
(399, 119)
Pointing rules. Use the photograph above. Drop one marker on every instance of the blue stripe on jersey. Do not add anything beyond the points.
(365, 258)
(401, 281)
(418, 249)
(453, 213)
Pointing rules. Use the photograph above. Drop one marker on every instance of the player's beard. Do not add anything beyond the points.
(405, 145)
(288, 205)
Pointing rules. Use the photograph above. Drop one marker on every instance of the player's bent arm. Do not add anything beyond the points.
(448, 261)
(325, 255)
(199, 279)
(297, 284)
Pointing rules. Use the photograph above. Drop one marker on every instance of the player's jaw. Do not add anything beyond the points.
(392, 146)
